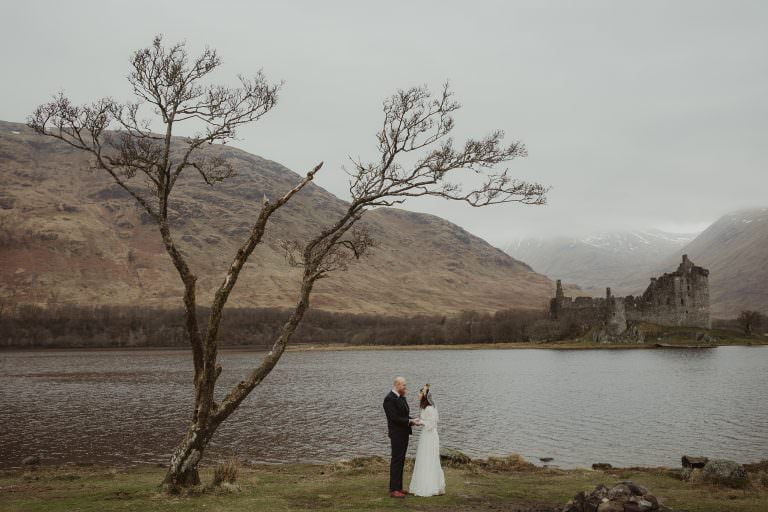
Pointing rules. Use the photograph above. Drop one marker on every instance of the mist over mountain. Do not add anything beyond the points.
(734, 249)
(596, 261)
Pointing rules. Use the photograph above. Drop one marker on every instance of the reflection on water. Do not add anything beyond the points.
(625, 407)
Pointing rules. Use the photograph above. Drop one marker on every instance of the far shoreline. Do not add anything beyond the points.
(348, 347)
(554, 345)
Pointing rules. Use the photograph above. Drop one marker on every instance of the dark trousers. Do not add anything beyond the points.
(396, 464)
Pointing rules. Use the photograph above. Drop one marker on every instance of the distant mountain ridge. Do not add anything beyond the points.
(596, 261)
(734, 249)
(68, 234)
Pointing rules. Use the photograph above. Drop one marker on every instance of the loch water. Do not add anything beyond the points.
(624, 407)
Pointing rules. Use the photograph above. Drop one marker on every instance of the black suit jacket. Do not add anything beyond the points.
(397, 410)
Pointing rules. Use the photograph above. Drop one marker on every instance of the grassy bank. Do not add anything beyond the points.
(358, 485)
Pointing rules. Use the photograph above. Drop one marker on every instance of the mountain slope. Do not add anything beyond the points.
(600, 260)
(68, 234)
(735, 250)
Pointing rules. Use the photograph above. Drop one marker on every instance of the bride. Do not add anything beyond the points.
(428, 478)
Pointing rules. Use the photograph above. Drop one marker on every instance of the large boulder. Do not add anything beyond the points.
(619, 492)
(725, 472)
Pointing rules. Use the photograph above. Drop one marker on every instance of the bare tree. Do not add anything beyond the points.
(124, 145)
(147, 165)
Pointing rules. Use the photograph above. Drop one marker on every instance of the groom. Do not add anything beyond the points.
(399, 425)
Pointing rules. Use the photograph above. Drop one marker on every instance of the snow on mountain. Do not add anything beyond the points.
(599, 259)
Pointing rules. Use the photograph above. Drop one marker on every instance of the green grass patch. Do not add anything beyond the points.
(352, 486)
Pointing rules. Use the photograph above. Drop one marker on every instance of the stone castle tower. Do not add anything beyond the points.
(675, 298)
(679, 298)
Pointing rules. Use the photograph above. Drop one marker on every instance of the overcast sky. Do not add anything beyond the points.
(638, 114)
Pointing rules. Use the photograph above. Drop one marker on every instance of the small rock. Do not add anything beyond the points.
(600, 492)
(32, 460)
(601, 465)
(546, 459)
(654, 501)
(645, 505)
(619, 492)
(583, 502)
(689, 461)
(639, 504)
(611, 506)
(637, 490)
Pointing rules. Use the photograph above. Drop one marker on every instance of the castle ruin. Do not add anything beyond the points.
(679, 298)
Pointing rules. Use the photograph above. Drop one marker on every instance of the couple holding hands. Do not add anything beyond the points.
(428, 478)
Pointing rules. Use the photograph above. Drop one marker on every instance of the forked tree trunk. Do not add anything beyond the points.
(183, 469)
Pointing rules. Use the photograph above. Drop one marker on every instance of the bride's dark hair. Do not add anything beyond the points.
(424, 402)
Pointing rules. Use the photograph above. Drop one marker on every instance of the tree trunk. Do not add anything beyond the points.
(182, 471)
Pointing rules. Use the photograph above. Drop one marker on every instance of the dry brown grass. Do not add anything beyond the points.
(759, 480)
(226, 472)
(511, 463)
(371, 464)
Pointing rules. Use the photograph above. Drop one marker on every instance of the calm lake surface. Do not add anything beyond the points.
(625, 407)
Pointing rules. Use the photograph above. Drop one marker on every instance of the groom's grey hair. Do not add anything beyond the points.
(398, 380)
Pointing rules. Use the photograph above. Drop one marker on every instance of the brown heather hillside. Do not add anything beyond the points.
(69, 235)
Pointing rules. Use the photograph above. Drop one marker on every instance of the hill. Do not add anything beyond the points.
(68, 234)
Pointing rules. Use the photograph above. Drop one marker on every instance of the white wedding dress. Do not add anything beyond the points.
(428, 478)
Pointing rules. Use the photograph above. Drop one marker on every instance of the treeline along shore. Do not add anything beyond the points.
(33, 326)
(125, 326)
